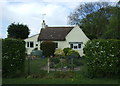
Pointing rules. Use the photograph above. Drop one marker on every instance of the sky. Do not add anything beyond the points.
(30, 13)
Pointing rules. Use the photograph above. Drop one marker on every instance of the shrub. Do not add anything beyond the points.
(102, 58)
(59, 52)
(48, 48)
(13, 56)
(55, 60)
(64, 74)
(73, 53)
(66, 50)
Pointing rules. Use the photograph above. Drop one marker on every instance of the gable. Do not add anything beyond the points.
(76, 35)
(33, 38)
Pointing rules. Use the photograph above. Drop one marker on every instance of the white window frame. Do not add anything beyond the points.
(76, 45)
(28, 44)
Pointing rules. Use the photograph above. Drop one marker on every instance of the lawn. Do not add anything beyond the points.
(50, 78)
(59, 81)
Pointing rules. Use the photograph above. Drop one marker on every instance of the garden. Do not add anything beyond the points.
(100, 65)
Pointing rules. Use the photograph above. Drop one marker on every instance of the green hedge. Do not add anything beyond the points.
(13, 56)
(103, 58)
(48, 48)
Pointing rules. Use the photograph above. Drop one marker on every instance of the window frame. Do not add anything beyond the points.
(29, 45)
(75, 45)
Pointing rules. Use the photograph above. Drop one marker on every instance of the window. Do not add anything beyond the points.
(56, 45)
(30, 44)
(71, 45)
(75, 45)
(79, 45)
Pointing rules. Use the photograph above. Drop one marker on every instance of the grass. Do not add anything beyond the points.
(35, 66)
(59, 81)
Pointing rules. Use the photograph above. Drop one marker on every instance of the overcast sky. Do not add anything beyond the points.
(29, 12)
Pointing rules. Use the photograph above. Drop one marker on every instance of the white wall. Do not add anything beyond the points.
(75, 35)
(33, 39)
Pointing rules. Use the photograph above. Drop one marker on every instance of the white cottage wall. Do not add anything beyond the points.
(77, 35)
(34, 40)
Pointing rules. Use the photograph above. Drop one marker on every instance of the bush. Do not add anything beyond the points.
(64, 74)
(59, 52)
(66, 50)
(48, 48)
(13, 56)
(73, 54)
(55, 60)
(102, 58)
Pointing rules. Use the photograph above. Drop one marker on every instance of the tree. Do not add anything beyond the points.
(95, 24)
(113, 28)
(94, 18)
(48, 48)
(18, 31)
(83, 10)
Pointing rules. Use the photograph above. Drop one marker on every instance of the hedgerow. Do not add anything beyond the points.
(13, 57)
(102, 58)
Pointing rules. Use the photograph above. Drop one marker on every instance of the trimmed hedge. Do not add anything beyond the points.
(103, 58)
(48, 48)
(13, 57)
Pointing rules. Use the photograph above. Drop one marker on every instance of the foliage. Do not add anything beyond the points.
(48, 48)
(13, 56)
(64, 74)
(56, 60)
(92, 23)
(83, 10)
(18, 31)
(66, 50)
(73, 53)
(101, 20)
(113, 30)
(59, 52)
(91, 36)
(102, 58)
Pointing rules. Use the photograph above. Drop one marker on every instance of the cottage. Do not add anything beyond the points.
(70, 36)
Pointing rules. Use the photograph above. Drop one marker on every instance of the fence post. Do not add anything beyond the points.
(28, 65)
(48, 65)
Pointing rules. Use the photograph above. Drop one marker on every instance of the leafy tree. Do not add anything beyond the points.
(113, 28)
(95, 24)
(18, 31)
(83, 10)
(98, 20)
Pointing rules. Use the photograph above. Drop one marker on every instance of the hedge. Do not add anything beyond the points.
(13, 57)
(102, 58)
(48, 48)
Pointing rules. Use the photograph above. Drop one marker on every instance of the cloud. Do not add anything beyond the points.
(30, 12)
